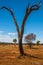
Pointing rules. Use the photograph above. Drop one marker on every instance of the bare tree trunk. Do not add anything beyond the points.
(20, 35)
(20, 46)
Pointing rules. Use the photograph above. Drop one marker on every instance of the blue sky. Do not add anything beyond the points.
(34, 23)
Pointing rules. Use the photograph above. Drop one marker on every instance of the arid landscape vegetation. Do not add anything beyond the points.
(9, 55)
(20, 48)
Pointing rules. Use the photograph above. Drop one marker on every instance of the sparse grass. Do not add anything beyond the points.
(9, 55)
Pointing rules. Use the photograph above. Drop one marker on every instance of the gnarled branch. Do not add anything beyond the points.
(36, 6)
(17, 27)
(28, 11)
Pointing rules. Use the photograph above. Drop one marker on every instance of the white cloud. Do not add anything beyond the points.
(24, 35)
(7, 37)
(11, 33)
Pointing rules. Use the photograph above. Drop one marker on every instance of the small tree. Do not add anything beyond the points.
(30, 38)
(14, 40)
(38, 42)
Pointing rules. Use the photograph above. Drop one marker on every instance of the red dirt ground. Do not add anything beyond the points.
(9, 55)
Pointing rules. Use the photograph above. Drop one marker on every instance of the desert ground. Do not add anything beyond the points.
(9, 55)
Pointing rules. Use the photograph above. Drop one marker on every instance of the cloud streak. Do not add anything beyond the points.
(11, 33)
(9, 36)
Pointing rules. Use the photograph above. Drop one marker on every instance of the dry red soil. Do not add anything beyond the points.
(9, 55)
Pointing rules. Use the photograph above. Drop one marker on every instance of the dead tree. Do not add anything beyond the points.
(20, 33)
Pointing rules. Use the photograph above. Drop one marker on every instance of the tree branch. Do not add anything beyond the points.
(28, 11)
(17, 27)
(36, 6)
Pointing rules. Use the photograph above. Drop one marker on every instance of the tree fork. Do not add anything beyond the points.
(20, 35)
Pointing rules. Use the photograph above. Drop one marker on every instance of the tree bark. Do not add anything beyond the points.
(20, 46)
